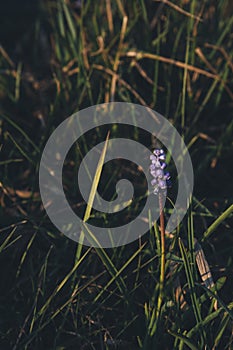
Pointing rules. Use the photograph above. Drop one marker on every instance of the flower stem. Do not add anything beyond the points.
(162, 250)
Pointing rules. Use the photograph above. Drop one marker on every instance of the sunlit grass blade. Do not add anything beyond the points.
(92, 194)
(7, 240)
(96, 180)
(217, 222)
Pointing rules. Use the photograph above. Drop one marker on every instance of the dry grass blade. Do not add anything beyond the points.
(6, 56)
(179, 9)
(203, 58)
(179, 295)
(125, 84)
(204, 270)
(121, 81)
(203, 266)
(142, 72)
(117, 58)
(223, 52)
(140, 55)
(109, 16)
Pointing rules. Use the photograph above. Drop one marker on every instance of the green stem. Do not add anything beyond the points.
(162, 263)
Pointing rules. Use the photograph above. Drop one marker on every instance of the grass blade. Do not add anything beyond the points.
(217, 222)
(96, 180)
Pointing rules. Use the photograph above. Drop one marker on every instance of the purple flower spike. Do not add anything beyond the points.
(160, 180)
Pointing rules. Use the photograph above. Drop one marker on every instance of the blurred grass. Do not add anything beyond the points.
(59, 57)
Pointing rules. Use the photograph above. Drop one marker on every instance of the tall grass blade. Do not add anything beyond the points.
(217, 222)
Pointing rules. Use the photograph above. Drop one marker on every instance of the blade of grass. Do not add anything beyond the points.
(25, 254)
(185, 84)
(69, 20)
(191, 284)
(227, 308)
(107, 262)
(218, 335)
(22, 132)
(20, 149)
(61, 284)
(96, 180)
(184, 339)
(4, 244)
(92, 194)
(118, 273)
(217, 222)
(17, 81)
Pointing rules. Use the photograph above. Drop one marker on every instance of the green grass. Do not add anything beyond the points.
(56, 294)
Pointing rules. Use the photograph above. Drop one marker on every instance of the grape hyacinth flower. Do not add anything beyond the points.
(160, 183)
(160, 180)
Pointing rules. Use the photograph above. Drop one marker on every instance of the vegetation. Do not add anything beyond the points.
(58, 57)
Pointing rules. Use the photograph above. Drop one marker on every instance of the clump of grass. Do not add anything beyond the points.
(175, 58)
